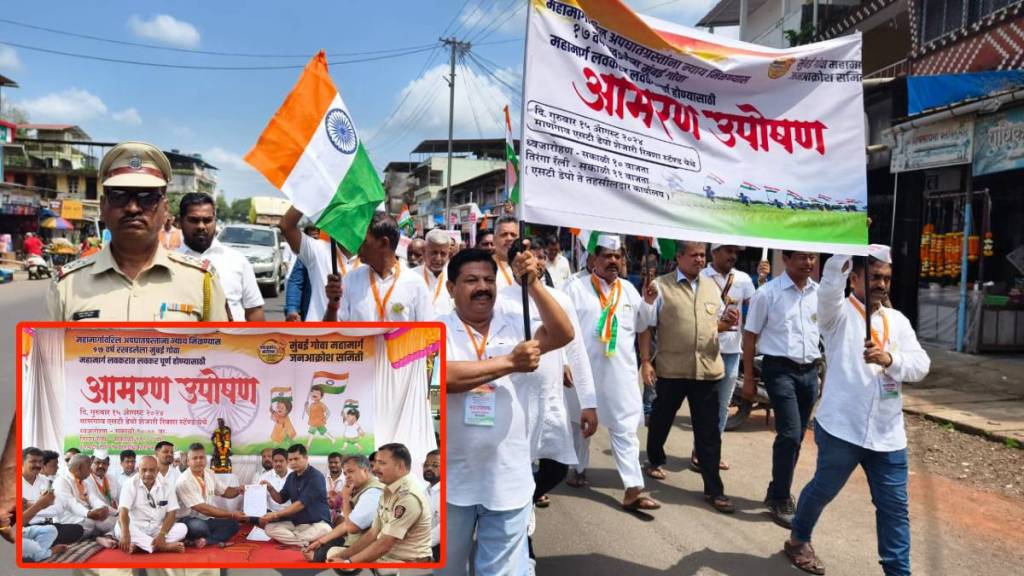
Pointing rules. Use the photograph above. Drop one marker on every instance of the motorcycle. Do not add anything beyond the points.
(38, 268)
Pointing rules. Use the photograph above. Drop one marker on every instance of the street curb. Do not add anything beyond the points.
(993, 436)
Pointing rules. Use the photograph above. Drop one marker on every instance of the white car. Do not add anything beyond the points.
(262, 246)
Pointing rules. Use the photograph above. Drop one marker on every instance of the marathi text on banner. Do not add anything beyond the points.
(638, 126)
(128, 389)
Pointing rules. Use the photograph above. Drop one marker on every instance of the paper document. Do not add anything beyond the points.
(255, 504)
(258, 535)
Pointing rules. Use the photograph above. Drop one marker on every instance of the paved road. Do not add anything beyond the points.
(956, 530)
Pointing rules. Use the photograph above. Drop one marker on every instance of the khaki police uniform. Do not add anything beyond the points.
(174, 288)
(404, 514)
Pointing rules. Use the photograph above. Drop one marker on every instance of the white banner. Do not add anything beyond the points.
(638, 126)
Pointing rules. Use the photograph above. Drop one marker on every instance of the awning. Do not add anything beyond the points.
(930, 92)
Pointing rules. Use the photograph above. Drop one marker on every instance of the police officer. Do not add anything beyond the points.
(134, 278)
(403, 515)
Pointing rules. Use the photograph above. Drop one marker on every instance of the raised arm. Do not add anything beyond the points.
(289, 226)
(832, 291)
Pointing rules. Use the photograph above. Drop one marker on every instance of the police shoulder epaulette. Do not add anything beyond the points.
(192, 261)
(70, 267)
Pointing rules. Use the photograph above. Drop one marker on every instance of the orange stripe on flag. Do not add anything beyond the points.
(286, 136)
(331, 375)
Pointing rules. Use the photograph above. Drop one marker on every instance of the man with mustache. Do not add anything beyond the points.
(782, 325)
(506, 231)
(37, 490)
(146, 516)
(860, 419)
(436, 256)
(197, 214)
(134, 278)
(432, 476)
(414, 252)
(612, 313)
(490, 478)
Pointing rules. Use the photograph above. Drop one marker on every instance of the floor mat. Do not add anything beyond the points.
(77, 552)
(241, 551)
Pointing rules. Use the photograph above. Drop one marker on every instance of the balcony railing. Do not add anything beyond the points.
(894, 70)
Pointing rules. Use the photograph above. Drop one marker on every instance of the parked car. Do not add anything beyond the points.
(262, 246)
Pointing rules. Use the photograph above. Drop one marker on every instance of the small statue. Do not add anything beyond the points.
(221, 461)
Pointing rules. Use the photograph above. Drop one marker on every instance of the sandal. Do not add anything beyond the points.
(803, 557)
(723, 465)
(543, 502)
(641, 503)
(579, 480)
(656, 472)
(721, 503)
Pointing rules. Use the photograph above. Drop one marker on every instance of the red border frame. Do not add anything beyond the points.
(273, 325)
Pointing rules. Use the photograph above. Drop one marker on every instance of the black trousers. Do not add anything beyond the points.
(703, 398)
(549, 474)
(68, 533)
(321, 553)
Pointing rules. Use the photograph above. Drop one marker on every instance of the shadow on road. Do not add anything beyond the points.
(729, 563)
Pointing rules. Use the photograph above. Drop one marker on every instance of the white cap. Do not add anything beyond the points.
(880, 252)
(609, 241)
(100, 454)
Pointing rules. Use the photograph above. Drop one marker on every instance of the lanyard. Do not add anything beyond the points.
(382, 306)
(874, 334)
(505, 273)
(437, 289)
(104, 489)
(608, 323)
(479, 347)
(344, 267)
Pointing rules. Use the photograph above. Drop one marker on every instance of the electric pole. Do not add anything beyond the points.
(456, 48)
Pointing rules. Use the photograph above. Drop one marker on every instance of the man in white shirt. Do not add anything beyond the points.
(335, 484)
(612, 313)
(860, 419)
(146, 515)
(78, 508)
(432, 476)
(198, 219)
(557, 264)
(207, 524)
(51, 465)
(127, 469)
(99, 485)
(436, 256)
(782, 325)
(506, 232)
(276, 477)
(485, 242)
(382, 290)
(737, 289)
(414, 252)
(166, 468)
(34, 486)
(315, 254)
(490, 481)
(360, 497)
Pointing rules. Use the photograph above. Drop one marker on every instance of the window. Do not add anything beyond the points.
(940, 17)
(73, 184)
(978, 9)
(435, 177)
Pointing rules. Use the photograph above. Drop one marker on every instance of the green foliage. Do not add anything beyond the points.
(223, 210)
(798, 38)
(1012, 443)
(240, 209)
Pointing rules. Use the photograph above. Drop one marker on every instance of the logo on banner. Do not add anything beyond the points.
(271, 351)
(780, 67)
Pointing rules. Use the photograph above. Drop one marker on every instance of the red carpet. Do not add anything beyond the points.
(241, 551)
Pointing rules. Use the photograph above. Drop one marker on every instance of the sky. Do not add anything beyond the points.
(396, 100)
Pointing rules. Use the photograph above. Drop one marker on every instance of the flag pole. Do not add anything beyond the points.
(334, 257)
(526, 289)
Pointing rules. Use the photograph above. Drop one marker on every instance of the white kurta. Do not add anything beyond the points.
(619, 402)
(437, 289)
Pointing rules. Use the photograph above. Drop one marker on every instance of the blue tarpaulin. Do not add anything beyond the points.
(926, 92)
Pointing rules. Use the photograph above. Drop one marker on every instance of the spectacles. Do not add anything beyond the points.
(145, 199)
(149, 498)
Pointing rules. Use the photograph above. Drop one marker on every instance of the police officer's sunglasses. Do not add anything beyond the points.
(145, 198)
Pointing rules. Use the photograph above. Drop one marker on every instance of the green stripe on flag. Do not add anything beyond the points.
(333, 389)
(667, 249)
(349, 212)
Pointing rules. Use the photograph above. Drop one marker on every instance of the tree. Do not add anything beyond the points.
(240, 209)
(223, 210)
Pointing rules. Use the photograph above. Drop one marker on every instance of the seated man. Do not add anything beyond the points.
(401, 530)
(99, 486)
(38, 540)
(335, 484)
(34, 488)
(207, 524)
(147, 512)
(360, 498)
(51, 465)
(276, 477)
(127, 468)
(432, 476)
(78, 508)
(307, 517)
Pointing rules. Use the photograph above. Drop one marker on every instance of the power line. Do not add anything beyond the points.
(469, 98)
(499, 22)
(198, 52)
(485, 95)
(477, 59)
(412, 119)
(201, 67)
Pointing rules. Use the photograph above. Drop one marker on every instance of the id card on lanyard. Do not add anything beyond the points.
(888, 388)
(481, 405)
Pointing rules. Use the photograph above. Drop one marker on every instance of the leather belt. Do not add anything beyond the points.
(791, 364)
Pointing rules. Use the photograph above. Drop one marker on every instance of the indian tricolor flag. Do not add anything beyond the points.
(749, 186)
(511, 162)
(330, 382)
(312, 153)
(771, 189)
(405, 220)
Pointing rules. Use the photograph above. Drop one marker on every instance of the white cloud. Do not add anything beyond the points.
(478, 108)
(9, 60)
(128, 117)
(166, 29)
(224, 159)
(72, 106)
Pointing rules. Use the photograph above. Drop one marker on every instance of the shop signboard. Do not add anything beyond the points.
(946, 143)
(999, 142)
(71, 209)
